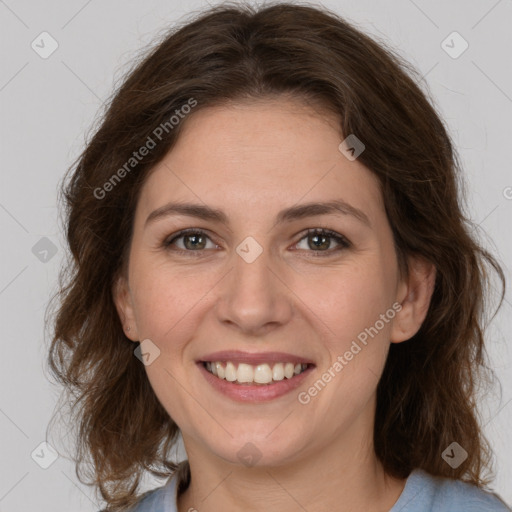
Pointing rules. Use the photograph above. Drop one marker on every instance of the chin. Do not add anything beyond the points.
(259, 450)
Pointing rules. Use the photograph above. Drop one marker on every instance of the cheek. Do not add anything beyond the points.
(165, 304)
(355, 311)
(353, 300)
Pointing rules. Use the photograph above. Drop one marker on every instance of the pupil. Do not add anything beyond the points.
(317, 237)
(195, 239)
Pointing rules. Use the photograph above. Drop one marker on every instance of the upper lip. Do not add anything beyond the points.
(254, 358)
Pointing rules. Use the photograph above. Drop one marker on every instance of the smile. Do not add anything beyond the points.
(262, 374)
(240, 383)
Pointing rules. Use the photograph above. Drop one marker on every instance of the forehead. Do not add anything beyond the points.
(261, 154)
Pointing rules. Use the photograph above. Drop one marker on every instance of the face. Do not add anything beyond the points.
(256, 282)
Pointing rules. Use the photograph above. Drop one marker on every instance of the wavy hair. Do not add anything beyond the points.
(427, 395)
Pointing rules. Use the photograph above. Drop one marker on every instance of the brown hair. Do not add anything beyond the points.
(426, 398)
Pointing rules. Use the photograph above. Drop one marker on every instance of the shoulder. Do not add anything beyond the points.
(160, 499)
(424, 492)
(468, 497)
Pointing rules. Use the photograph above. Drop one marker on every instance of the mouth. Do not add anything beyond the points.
(261, 374)
(251, 377)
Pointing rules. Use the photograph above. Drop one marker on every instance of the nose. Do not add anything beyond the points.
(254, 297)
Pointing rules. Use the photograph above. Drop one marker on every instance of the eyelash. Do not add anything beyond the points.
(339, 239)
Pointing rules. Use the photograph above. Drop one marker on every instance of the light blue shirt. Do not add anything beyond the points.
(422, 493)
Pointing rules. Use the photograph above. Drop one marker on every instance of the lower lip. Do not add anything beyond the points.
(254, 393)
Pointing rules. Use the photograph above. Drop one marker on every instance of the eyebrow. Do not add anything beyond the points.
(290, 214)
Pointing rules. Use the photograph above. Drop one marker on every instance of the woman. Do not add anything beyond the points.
(270, 211)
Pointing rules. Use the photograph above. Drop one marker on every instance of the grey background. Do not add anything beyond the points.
(49, 105)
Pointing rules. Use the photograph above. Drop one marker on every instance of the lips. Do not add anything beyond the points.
(254, 358)
(253, 391)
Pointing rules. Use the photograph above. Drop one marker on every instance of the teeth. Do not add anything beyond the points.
(230, 372)
(221, 372)
(289, 370)
(263, 374)
(259, 374)
(278, 371)
(245, 373)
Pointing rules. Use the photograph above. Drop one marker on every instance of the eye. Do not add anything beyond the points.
(320, 240)
(192, 240)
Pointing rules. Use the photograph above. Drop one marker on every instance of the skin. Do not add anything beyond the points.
(253, 159)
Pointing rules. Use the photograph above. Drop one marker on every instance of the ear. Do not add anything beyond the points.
(414, 294)
(124, 305)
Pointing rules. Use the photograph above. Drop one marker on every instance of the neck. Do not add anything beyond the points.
(346, 478)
